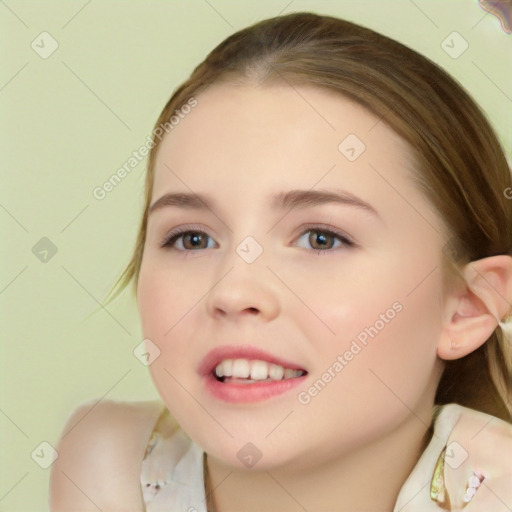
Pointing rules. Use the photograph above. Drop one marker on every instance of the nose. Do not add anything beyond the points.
(243, 289)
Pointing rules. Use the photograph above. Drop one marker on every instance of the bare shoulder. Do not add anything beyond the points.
(100, 453)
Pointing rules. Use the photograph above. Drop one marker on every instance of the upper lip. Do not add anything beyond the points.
(218, 354)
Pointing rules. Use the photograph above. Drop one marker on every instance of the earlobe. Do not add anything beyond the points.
(486, 299)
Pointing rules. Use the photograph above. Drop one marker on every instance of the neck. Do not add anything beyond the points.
(367, 479)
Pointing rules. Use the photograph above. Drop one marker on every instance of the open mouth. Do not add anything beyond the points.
(250, 371)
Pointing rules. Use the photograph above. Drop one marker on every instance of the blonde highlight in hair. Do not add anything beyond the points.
(460, 165)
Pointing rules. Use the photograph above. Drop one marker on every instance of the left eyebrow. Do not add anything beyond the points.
(293, 199)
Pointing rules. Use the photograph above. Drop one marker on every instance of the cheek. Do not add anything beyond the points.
(381, 363)
(369, 393)
(155, 309)
(389, 308)
(171, 309)
(165, 297)
(160, 312)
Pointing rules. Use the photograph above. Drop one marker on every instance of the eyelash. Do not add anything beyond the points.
(171, 238)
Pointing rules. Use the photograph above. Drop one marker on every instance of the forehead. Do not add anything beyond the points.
(249, 138)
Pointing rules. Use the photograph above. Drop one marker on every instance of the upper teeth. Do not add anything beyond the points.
(254, 369)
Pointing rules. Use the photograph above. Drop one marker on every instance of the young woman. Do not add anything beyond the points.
(324, 278)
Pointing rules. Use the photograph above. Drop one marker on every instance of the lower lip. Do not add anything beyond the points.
(254, 392)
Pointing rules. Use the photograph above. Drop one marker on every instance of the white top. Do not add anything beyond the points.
(172, 469)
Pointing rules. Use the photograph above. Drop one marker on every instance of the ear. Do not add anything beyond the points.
(476, 308)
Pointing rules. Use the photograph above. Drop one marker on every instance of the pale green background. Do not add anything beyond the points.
(69, 121)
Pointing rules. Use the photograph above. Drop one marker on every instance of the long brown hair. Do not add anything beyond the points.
(461, 167)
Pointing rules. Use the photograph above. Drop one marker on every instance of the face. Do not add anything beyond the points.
(346, 291)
